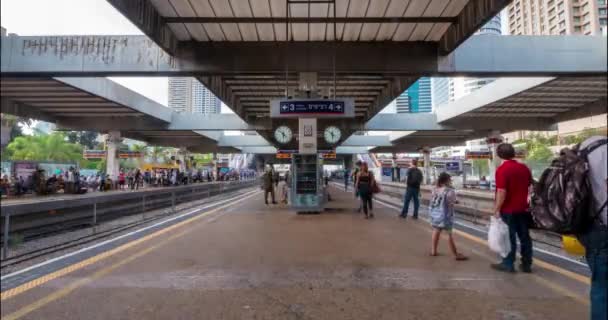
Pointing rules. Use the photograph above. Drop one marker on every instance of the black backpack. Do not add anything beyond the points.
(563, 200)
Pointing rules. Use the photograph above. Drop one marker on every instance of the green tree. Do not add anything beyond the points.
(15, 123)
(87, 139)
(540, 152)
(159, 154)
(481, 167)
(583, 135)
(52, 147)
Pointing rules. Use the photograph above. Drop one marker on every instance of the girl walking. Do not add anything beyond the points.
(442, 213)
(363, 185)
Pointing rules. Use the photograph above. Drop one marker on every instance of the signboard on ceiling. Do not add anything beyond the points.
(317, 108)
(520, 154)
(94, 154)
(478, 155)
(331, 155)
(281, 155)
(129, 154)
(453, 166)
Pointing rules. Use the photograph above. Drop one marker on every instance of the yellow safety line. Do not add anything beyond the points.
(61, 272)
(74, 285)
(538, 262)
(544, 265)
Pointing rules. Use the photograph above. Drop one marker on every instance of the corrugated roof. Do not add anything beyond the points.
(357, 20)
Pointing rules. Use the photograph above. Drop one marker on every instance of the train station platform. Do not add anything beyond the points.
(246, 260)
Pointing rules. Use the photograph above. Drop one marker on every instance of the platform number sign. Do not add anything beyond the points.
(319, 107)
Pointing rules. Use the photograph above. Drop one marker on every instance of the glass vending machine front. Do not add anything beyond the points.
(305, 189)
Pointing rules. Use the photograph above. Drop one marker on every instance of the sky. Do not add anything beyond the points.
(80, 17)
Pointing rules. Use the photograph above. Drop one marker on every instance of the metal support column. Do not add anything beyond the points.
(94, 214)
(173, 202)
(7, 221)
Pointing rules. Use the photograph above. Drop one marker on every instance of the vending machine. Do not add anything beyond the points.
(308, 192)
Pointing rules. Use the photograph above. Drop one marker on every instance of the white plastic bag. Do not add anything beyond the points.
(498, 237)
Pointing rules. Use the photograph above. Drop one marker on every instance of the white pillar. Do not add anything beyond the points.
(493, 140)
(215, 173)
(426, 153)
(5, 134)
(182, 153)
(113, 141)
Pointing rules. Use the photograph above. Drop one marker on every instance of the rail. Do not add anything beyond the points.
(57, 214)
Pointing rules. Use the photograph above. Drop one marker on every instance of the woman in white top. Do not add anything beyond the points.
(441, 214)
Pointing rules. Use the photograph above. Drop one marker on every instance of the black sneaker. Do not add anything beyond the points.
(525, 268)
(415, 217)
(501, 267)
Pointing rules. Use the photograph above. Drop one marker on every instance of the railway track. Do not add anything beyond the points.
(155, 208)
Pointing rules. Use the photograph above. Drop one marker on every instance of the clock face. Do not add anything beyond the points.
(332, 134)
(283, 134)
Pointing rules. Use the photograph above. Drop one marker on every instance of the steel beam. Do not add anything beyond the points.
(143, 14)
(18, 109)
(116, 93)
(495, 91)
(137, 55)
(488, 55)
(404, 122)
(367, 141)
(243, 141)
(109, 123)
(181, 121)
(259, 150)
(597, 107)
(472, 17)
(283, 20)
(351, 150)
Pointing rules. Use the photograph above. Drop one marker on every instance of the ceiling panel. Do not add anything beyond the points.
(404, 31)
(261, 8)
(416, 8)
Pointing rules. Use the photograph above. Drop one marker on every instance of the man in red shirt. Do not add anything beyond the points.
(513, 180)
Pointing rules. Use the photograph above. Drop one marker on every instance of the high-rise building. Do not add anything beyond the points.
(442, 91)
(561, 17)
(446, 90)
(417, 98)
(555, 17)
(189, 95)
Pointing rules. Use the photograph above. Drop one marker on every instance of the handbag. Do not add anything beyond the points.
(375, 187)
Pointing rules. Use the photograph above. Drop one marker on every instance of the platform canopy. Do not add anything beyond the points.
(309, 35)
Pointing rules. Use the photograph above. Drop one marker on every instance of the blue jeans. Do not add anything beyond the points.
(518, 226)
(411, 194)
(596, 249)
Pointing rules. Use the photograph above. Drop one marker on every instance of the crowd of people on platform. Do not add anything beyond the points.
(72, 182)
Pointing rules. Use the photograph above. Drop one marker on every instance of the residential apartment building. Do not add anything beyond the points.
(189, 95)
(557, 17)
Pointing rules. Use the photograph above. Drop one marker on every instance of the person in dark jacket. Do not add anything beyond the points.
(412, 192)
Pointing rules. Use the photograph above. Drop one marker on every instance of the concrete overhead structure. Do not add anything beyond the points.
(505, 105)
(250, 52)
(102, 105)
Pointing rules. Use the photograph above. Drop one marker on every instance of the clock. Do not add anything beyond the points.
(283, 134)
(332, 134)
